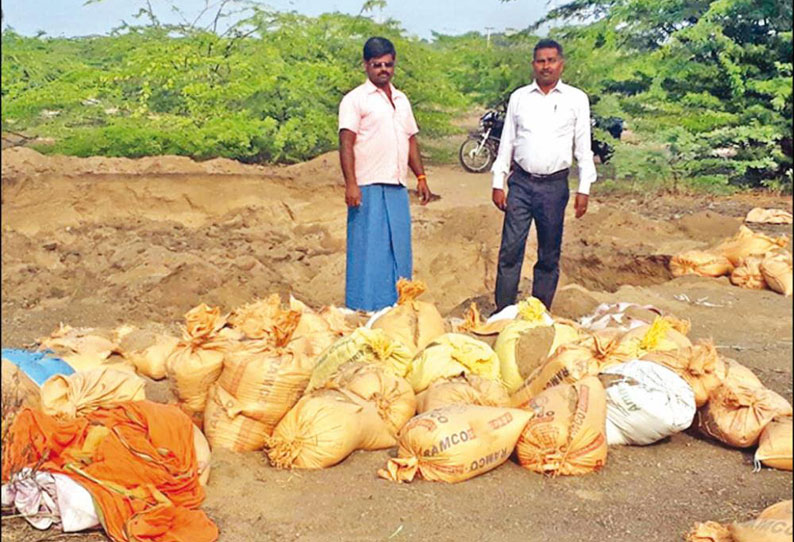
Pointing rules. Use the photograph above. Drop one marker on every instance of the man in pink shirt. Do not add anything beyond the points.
(377, 145)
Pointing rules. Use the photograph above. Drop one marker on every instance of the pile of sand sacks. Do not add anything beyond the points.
(752, 260)
(457, 398)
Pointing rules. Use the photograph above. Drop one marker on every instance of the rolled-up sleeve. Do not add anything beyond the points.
(501, 166)
(349, 114)
(582, 148)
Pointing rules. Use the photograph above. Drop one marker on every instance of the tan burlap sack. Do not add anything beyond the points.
(737, 373)
(148, 351)
(776, 269)
(462, 390)
(323, 428)
(450, 355)
(700, 262)
(775, 444)
(748, 274)
(747, 243)
(699, 365)
(368, 345)
(414, 323)
(736, 414)
(85, 391)
(455, 443)
(227, 427)
(392, 395)
(567, 432)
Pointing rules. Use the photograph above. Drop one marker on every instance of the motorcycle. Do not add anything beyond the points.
(478, 152)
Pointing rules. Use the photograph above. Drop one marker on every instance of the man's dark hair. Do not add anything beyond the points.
(377, 47)
(547, 44)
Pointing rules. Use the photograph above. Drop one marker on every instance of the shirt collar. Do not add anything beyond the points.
(370, 86)
(559, 87)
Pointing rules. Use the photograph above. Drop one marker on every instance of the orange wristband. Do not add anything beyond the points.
(422, 177)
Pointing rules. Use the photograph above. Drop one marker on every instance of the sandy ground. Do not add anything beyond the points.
(98, 242)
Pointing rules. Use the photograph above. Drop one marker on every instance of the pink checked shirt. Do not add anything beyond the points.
(382, 133)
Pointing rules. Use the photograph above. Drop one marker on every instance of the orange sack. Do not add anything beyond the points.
(137, 460)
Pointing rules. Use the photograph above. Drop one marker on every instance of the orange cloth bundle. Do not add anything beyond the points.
(137, 460)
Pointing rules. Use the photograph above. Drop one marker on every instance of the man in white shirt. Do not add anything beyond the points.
(546, 123)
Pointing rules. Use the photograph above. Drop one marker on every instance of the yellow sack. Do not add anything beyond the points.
(699, 365)
(203, 322)
(567, 434)
(148, 351)
(325, 427)
(747, 243)
(368, 345)
(776, 269)
(192, 368)
(392, 395)
(455, 443)
(748, 274)
(83, 348)
(227, 427)
(85, 391)
(665, 333)
(700, 262)
(736, 414)
(462, 390)
(523, 346)
(450, 355)
(775, 445)
(412, 322)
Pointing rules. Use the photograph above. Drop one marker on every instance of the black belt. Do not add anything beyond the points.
(556, 176)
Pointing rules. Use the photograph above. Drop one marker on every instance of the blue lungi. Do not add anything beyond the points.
(378, 247)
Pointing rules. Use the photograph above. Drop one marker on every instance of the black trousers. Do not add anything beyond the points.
(543, 199)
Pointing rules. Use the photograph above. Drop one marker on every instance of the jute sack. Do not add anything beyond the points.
(700, 262)
(747, 243)
(368, 345)
(148, 351)
(567, 433)
(646, 402)
(323, 428)
(455, 443)
(414, 323)
(462, 390)
(227, 427)
(776, 268)
(665, 333)
(736, 413)
(748, 274)
(392, 395)
(450, 355)
(699, 365)
(775, 444)
(85, 391)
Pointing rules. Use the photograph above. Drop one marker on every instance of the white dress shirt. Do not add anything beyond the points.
(543, 131)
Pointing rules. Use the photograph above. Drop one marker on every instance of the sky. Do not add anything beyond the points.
(71, 18)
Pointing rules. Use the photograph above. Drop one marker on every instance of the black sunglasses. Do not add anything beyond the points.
(378, 65)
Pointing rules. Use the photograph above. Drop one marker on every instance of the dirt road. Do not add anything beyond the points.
(98, 242)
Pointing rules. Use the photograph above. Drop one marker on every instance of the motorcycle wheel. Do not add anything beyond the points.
(473, 161)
